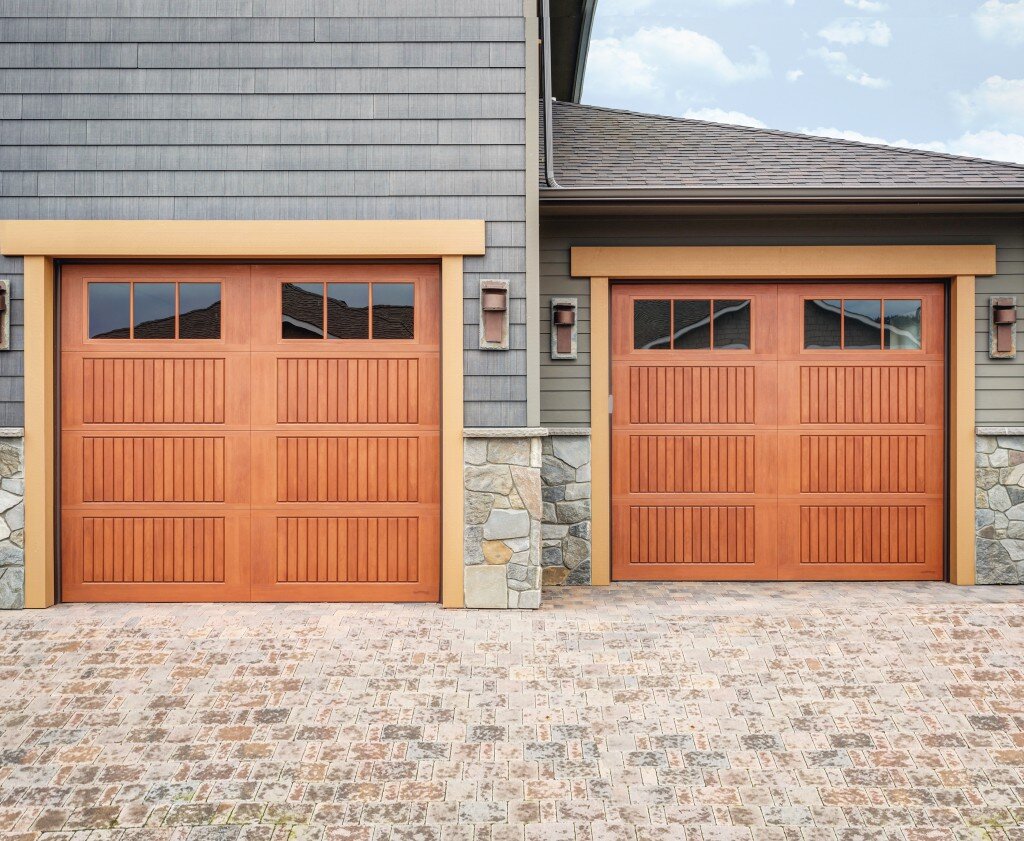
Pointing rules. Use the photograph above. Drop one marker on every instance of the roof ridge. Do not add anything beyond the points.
(835, 141)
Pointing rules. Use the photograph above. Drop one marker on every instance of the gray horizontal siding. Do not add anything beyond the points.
(85, 135)
(275, 109)
(565, 385)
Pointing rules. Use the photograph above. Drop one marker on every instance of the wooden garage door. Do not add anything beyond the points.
(764, 431)
(235, 433)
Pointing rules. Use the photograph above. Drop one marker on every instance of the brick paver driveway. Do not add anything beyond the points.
(640, 711)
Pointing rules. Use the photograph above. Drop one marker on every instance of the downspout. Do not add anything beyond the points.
(549, 144)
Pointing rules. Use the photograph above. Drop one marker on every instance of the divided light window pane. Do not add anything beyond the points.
(348, 310)
(110, 310)
(862, 324)
(302, 311)
(154, 311)
(199, 311)
(692, 325)
(822, 324)
(902, 324)
(732, 325)
(393, 310)
(652, 325)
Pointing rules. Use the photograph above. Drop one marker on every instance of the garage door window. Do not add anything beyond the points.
(691, 324)
(351, 311)
(154, 311)
(862, 324)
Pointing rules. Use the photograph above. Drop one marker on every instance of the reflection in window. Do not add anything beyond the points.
(902, 324)
(109, 310)
(691, 325)
(823, 324)
(199, 311)
(652, 325)
(732, 325)
(393, 310)
(862, 325)
(154, 311)
(302, 311)
(348, 310)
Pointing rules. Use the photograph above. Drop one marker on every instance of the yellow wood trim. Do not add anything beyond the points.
(600, 433)
(793, 262)
(452, 420)
(39, 432)
(40, 242)
(335, 239)
(961, 431)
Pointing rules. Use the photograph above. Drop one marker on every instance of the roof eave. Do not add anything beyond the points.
(572, 22)
(782, 195)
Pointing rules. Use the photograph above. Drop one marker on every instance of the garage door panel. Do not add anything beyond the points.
(702, 462)
(164, 468)
(177, 454)
(826, 433)
(664, 393)
(883, 461)
(660, 540)
(345, 468)
(363, 556)
(193, 555)
(153, 389)
(837, 392)
(333, 388)
(856, 541)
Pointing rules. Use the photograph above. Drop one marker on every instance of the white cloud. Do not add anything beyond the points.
(839, 64)
(991, 145)
(1000, 21)
(867, 5)
(664, 70)
(719, 115)
(631, 8)
(614, 69)
(853, 31)
(685, 52)
(997, 101)
(793, 75)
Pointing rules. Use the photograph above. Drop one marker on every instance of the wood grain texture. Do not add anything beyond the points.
(250, 466)
(135, 550)
(860, 534)
(691, 463)
(153, 469)
(877, 394)
(347, 549)
(832, 460)
(364, 391)
(688, 394)
(355, 469)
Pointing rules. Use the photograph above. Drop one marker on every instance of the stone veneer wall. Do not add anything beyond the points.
(503, 518)
(999, 505)
(12, 520)
(565, 475)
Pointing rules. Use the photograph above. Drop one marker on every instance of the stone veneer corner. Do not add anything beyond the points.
(502, 518)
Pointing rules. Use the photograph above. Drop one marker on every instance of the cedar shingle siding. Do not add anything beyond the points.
(274, 109)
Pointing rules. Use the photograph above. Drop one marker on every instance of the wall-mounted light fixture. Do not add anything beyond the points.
(5, 315)
(1002, 342)
(494, 314)
(563, 328)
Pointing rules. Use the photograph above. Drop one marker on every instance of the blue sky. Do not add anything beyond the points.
(946, 75)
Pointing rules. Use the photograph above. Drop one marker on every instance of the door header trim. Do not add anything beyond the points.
(319, 239)
(783, 262)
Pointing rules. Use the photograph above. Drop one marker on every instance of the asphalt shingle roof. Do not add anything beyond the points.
(603, 147)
